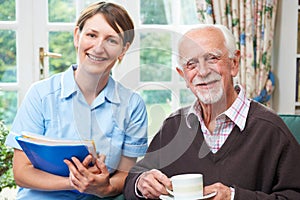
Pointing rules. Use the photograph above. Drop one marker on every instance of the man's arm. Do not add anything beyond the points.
(136, 176)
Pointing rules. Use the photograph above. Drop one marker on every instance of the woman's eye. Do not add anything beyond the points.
(91, 35)
(112, 41)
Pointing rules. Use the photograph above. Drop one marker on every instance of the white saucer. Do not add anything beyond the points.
(169, 197)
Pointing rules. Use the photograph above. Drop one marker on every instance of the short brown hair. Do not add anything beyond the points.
(115, 15)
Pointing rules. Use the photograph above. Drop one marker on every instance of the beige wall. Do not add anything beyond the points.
(284, 57)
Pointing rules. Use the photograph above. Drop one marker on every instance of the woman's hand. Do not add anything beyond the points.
(90, 179)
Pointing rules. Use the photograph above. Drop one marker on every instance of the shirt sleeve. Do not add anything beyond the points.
(28, 118)
(136, 141)
(232, 193)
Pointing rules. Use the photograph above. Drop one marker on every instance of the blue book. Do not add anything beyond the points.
(48, 154)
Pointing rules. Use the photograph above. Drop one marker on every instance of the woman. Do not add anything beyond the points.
(84, 102)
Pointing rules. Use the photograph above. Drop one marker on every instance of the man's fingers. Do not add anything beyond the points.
(162, 178)
(148, 187)
(153, 183)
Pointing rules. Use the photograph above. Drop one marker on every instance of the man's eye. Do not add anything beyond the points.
(191, 64)
(212, 59)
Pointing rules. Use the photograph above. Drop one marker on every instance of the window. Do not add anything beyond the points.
(25, 28)
(150, 64)
(8, 61)
(148, 67)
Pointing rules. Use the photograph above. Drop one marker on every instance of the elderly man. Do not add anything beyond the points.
(243, 149)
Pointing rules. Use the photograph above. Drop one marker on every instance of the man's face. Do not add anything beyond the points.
(207, 68)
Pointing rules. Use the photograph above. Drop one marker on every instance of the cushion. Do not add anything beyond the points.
(293, 123)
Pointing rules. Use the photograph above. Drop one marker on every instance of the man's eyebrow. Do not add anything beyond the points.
(215, 52)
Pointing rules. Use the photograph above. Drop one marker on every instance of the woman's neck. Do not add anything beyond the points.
(91, 86)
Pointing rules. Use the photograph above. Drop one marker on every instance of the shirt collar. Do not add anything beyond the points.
(110, 92)
(68, 84)
(237, 112)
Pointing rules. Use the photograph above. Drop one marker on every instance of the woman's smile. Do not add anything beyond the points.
(96, 58)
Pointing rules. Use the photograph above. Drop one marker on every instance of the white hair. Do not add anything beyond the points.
(229, 39)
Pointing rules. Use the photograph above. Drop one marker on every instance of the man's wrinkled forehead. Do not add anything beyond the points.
(190, 46)
(199, 41)
(187, 49)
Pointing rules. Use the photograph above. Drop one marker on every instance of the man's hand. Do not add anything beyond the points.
(153, 183)
(223, 191)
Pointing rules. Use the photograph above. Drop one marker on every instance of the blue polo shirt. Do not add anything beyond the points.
(55, 107)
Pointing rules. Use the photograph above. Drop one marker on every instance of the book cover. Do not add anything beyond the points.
(48, 154)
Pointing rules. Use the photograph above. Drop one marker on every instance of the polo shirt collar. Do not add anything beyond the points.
(68, 84)
(110, 92)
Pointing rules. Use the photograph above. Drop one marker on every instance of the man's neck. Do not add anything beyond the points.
(211, 111)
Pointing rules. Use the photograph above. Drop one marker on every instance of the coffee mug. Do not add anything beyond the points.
(187, 186)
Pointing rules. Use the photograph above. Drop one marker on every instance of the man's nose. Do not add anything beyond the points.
(202, 67)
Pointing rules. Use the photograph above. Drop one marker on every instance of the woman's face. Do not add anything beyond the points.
(98, 45)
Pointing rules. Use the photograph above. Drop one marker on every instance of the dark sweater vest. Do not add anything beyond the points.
(261, 162)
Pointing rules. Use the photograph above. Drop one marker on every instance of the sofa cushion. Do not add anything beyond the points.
(293, 122)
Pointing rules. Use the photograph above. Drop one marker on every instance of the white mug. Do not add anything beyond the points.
(187, 186)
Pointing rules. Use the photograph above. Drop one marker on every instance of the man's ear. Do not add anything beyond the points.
(236, 63)
(180, 72)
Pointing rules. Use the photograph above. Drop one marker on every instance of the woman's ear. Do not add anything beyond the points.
(124, 50)
(76, 37)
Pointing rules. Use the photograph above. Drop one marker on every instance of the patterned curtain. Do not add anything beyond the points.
(252, 23)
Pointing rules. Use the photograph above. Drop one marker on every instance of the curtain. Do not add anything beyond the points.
(252, 23)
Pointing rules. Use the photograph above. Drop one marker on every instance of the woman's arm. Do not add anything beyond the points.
(29, 177)
(118, 179)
